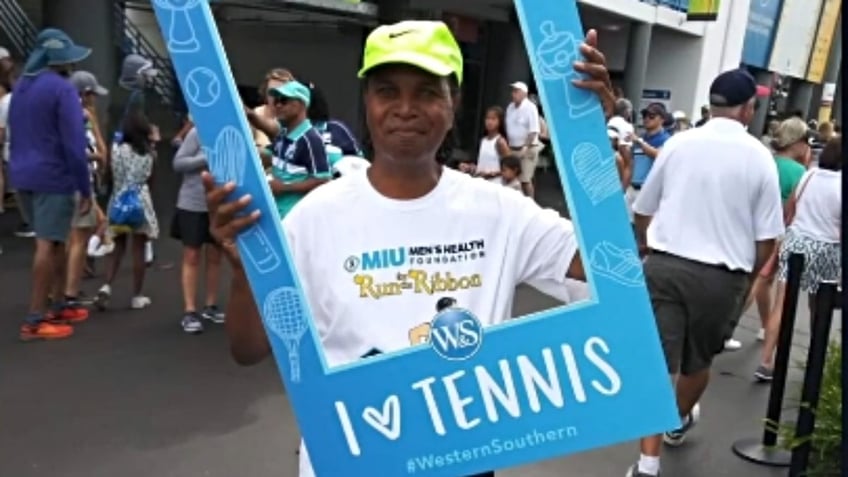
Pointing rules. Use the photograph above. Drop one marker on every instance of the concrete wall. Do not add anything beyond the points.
(687, 64)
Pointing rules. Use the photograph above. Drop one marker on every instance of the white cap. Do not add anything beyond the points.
(622, 127)
(520, 85)
(4, 53)
(678, 115)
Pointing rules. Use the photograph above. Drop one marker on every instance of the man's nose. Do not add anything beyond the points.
(407, 106)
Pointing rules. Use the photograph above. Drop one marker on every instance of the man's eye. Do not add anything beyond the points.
(386, 90)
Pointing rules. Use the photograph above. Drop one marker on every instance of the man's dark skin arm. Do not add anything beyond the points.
(248, 341)
(575, 270)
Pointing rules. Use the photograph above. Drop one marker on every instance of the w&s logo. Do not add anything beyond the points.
(456, 334)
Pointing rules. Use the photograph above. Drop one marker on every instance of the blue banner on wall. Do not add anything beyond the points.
(763, 18)
(562, 381)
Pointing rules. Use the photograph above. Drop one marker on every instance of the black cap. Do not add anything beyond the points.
(655, 108)
(732, 88)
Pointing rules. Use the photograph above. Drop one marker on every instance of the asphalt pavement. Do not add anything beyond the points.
(131, 395)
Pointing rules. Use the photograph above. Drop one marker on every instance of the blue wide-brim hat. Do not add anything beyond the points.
(53, 47)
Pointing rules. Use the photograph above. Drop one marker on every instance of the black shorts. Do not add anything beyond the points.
(191, 228)
(694, 304)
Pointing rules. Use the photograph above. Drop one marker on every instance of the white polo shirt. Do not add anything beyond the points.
(521, 121)
(713, 192)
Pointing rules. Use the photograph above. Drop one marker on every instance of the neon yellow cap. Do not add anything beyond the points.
(428, 45)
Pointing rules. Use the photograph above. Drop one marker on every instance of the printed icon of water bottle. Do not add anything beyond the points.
(259, 250)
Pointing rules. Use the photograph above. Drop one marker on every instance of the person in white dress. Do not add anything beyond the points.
(493, 146)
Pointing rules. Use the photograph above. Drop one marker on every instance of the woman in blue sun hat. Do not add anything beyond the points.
(412, 73)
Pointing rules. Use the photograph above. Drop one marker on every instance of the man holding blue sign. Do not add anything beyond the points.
(366, 303)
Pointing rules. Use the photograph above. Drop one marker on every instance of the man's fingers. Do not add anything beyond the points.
(597, 71)
(241, 223)
(592, 54)
(592, 37)
(216, 194)
(592, 85)
(228, 210)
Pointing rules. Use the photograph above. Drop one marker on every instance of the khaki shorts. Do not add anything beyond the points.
(529, 162)
(87, 220)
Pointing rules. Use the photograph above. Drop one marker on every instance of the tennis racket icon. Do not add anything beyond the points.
(228, 159)
(286, 318)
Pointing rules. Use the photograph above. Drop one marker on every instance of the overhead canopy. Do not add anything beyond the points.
(356, 8)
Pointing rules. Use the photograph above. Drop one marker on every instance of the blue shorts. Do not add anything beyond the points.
(49, 215)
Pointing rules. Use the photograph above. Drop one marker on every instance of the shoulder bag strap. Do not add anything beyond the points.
(792, 206)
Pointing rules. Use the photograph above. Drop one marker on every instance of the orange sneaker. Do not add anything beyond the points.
(69, 314)
(45, 331)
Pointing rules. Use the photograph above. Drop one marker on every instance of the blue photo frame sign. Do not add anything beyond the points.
(557, 382)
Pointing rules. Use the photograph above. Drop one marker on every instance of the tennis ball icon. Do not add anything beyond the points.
(203, 87)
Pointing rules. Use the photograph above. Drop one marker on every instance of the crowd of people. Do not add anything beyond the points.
(716, 210)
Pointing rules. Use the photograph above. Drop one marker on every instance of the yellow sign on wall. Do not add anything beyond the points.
(824, 40)
(703, 10)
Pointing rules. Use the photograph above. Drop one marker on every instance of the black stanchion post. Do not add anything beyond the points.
(820, 338)
(764, 450)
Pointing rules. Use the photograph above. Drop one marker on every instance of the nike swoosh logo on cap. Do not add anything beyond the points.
(400, 33)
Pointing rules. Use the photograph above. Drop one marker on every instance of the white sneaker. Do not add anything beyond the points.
(140, 302)
(761, 335)
(732, 345)
(676, 437)
(101, 300)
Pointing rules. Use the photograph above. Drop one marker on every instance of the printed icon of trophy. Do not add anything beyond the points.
(285, 318)
(181, 35)
(556, 56)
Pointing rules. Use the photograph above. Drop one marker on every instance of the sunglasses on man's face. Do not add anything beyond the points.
(281, 100)
(650, 116)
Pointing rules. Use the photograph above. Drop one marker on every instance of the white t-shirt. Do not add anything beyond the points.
(818, 212)
(371, 285)
(4, 123)
(488, 159)
(713, 192)
(624, 129)
(521, 121)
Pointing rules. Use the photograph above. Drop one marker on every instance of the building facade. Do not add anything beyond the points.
(652, 51)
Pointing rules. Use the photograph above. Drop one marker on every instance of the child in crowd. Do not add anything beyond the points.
(493, 146)
(132, 166)
(511, 171)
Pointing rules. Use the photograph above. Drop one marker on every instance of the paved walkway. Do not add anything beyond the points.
(132, 396)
